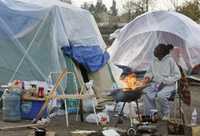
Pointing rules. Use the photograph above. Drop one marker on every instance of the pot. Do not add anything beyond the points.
(40, 132)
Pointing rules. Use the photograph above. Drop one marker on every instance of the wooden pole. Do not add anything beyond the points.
(20, 126)
(42, 110)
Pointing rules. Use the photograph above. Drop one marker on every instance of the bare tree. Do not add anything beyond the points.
(174, 3)
(190, 9)
(96, 10)
(135, 8)
(100, 7)
(86, 5)
(113, 8)
(67, 1)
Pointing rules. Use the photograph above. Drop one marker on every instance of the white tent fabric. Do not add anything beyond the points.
(32, 33)
(135, 44)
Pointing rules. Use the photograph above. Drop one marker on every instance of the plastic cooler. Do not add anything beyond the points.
(30, 109)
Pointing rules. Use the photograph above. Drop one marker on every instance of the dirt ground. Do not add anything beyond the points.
(58, 125)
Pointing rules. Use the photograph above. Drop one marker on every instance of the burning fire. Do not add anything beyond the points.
(131, 82)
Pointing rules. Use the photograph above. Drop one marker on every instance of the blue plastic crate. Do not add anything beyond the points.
(30, 109)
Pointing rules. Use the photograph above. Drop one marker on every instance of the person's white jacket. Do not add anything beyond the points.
(165, 71)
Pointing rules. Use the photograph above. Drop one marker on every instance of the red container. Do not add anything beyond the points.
(41, 92)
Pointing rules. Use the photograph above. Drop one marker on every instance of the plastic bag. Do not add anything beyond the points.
(89, 104)
(102, 118)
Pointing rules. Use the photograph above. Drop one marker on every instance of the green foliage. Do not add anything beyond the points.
(190, 9)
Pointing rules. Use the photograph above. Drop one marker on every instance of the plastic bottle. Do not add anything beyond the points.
(156, 87)
(194, 117)
(11, 105)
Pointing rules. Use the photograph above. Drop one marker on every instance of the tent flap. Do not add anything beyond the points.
(91, 57)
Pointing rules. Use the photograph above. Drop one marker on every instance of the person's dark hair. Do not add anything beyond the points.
(161, 46)
(169, 47)
(162, 50)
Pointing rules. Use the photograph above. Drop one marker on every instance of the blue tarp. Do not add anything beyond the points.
(91, 57)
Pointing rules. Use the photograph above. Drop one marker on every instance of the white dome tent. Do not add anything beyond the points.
(40, 37)
(135, 44)
(34, 31)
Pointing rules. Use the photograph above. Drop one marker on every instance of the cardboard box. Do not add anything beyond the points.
(192, 130)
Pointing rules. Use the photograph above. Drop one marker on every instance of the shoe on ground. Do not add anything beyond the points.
(99, 108)
(165, 118)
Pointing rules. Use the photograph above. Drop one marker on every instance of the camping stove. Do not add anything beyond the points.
(143, 129)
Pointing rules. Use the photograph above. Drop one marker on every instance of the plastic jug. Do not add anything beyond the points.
(194, 117)
(11, 106)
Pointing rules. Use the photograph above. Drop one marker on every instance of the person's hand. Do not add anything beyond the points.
(146, 80)
(161, 86)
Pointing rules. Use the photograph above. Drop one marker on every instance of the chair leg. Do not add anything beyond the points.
(120, 115)
(115, 107)
(66, 110)
(121, 112)
(94, 110)
(81, 111)
(138, 110)
(181, 112)
(66, 114)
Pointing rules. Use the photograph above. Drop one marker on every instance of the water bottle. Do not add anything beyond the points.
(11, 105)
(194, 117)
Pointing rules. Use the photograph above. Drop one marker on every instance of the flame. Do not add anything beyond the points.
(131, 82)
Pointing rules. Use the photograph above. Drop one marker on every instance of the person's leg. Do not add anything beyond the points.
(149, 99)
(162, 103)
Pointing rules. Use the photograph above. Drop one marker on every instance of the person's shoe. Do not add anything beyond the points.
(103, 101)
(99, 107)
(165, 118)
(107, 98)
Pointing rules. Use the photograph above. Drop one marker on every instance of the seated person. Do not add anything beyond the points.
(162, 76)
